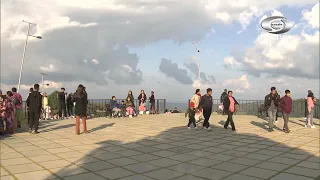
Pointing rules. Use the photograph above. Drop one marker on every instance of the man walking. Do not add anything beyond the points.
(62, 103)
(34, 103)
(222, 98)
(206, 105)
(271, 102)
(286, 106)
(17, 102)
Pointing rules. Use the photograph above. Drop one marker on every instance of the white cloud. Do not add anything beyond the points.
(95, 61)
(241, 84)
(127, 68)
(312, 17)
(276, 13)
(230, 62)
(49, 68)
(314, 39)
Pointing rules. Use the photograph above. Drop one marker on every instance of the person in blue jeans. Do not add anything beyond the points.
(271, 102)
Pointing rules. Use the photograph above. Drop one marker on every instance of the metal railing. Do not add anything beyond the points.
(97, 107)
(251, 107)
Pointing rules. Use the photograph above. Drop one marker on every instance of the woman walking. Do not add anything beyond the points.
(45, 102)
(152, 103)
(310, 101)
(80, 99)
(10, 114)
(229, 104)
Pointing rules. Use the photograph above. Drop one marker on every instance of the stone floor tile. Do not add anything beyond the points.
(186, 168)
(7, 178)
(36, 175)
(122, 161)
(304, 171)
(85, 176)
(17, 161)
(261, 157)
(230, 167)
(115, 173)
(259, 173)
(35, 153)
(23, 168)
(136, 177)
(12, 155)
(164, 153)
(183, 157)
(163, 174)
(82, 160)
(97, 166)
(44, 158)
(285, 176)
(245, 161)
(188, 177)
(141, 167)
(212, 174)
(145, 157)
(163, 162)
(3, 172)
(221, 157)
(68, 171)
(205, 162)
(240, 177)
(284, 160)
(272, 166)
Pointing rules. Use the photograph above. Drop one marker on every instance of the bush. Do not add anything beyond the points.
(53, 102)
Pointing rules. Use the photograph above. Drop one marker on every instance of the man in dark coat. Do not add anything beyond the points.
(34, 104)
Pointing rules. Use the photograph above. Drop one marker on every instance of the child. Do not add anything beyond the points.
(310, 101)
(191, 112)
(129, 108)
(123, 109)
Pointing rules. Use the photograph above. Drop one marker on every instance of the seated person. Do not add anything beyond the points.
(108, 110)
(122, 107)
(129, 107)
(114, 105)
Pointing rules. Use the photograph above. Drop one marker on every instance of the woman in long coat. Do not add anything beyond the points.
(81, 101)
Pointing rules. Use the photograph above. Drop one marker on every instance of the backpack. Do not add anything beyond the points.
(15, 101)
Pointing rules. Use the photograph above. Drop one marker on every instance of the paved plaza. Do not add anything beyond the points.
(159, 147)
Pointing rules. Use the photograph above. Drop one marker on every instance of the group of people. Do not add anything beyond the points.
(202, 106)
(10, 111)
(127, 107)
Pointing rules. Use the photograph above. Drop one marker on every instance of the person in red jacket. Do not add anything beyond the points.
(286, 106)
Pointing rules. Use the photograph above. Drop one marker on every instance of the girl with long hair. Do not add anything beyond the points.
(81, 101)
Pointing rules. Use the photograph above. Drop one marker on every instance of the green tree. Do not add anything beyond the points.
(53, 102)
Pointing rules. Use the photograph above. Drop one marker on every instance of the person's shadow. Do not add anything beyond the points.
(179, 154)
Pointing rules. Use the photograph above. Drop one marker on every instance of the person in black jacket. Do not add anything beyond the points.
(80, 98)
(34, 104)
(271, 102)
(206, 105)
(62, 103)
(222, 98)
(70, 104)
(229, 104)
(152, 102)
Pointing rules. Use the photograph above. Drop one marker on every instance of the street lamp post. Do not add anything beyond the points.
(198, 63)
(42, 81)
(24, 50)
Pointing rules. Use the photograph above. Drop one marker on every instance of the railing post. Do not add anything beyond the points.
(158, 106)
(164, 104)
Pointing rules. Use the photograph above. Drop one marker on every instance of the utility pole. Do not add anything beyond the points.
(198, 62)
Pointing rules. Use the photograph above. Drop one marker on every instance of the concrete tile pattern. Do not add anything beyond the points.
(159, 147)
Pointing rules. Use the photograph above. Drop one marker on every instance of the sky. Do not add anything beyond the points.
(113, 46)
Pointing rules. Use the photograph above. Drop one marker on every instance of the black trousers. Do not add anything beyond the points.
(192, 119)
(70, 110)
(34, 120)
(230, 120)
(62, 107)
(206, 115)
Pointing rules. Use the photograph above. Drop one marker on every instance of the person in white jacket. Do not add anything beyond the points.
(196, 100)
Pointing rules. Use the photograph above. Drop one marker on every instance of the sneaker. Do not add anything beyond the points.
(209, 129)
(30, 130)
(225, 127)
(270, 129)
(189, 128)
(36, 132)
(233, 129)
(287, 131)
(195, 128)
(204, 128)
(313, 126)
(305, 126)
(275, 121)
